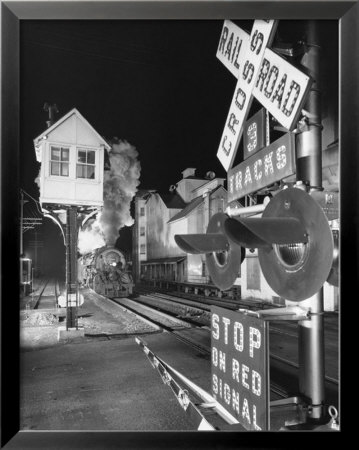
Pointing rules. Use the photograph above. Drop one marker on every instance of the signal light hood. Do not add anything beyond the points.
(201, 243)
(265, 231)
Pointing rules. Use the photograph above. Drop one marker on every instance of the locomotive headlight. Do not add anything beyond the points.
(292, 256)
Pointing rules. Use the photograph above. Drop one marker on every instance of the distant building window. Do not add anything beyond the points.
(253, 274)
(221, 205)
(142, 211)
(142, 231)
(203, 269)
(59, 161)
(142, 249)
(85, 167)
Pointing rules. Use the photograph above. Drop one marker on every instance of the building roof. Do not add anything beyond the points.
(73, 111)
(145, 193)
(185, 211)
(193, 177)
(209, 182)
(173, 200)
(170, 259)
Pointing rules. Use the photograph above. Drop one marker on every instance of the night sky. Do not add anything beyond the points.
(156, 84)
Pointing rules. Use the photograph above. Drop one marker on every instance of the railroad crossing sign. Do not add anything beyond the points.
(252, 51)
(276, 84)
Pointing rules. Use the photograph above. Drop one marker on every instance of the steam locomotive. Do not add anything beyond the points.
(105, 271)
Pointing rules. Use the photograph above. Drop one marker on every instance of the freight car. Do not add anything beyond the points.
(105, 271)
(185, 274)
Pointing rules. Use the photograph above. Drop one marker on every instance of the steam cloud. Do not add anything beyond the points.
(91, 237)
(120, 186)
(37, 179)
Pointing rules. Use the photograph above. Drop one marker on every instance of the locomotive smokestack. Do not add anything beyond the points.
(52, 110)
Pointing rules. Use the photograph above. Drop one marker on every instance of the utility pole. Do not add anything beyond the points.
(21, 238)
(35, 255)
(309, 170)
(71, 268)
(21, 221)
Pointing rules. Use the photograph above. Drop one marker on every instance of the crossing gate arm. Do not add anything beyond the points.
(294, 313)
(181, 394)
(180, 388)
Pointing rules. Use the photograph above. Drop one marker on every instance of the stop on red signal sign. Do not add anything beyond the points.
(240, 366)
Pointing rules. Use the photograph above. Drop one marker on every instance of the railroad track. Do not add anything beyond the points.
(198, 304)
(276, 388)
(208, 300)
(36, 302)
(166, 322)
(49, 284)
(285, 364)
(205, 304)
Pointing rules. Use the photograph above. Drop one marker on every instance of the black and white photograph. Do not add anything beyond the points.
(172, 207)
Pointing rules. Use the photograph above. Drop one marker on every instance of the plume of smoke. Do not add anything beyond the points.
(120, 186)
(37, 179)
(91, 237)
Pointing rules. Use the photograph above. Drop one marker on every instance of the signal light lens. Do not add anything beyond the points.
(221, 258)
(291, 256)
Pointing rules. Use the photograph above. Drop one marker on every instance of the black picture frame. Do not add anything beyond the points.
(12, 12)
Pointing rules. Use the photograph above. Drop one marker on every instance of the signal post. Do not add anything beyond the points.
(309, 170)
(293, 237)
(72, 294)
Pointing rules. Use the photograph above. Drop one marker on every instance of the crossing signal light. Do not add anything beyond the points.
(223, 257)
(293, 238)
(333, 277)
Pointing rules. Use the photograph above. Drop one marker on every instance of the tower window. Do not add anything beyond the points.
(59, 161)
(85, 167)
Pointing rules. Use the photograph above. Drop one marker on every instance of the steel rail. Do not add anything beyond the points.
(275, 388)
(233, 304)
(143, 315)
(189, 319)
(272, 355)
(272, 328)
(57, 291)
(168, 329)
(296, 365)
(37, 302)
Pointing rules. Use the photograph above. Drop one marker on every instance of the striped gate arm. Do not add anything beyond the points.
(198, 411)
(182, 395)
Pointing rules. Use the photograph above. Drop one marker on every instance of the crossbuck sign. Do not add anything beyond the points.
(276, 84)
